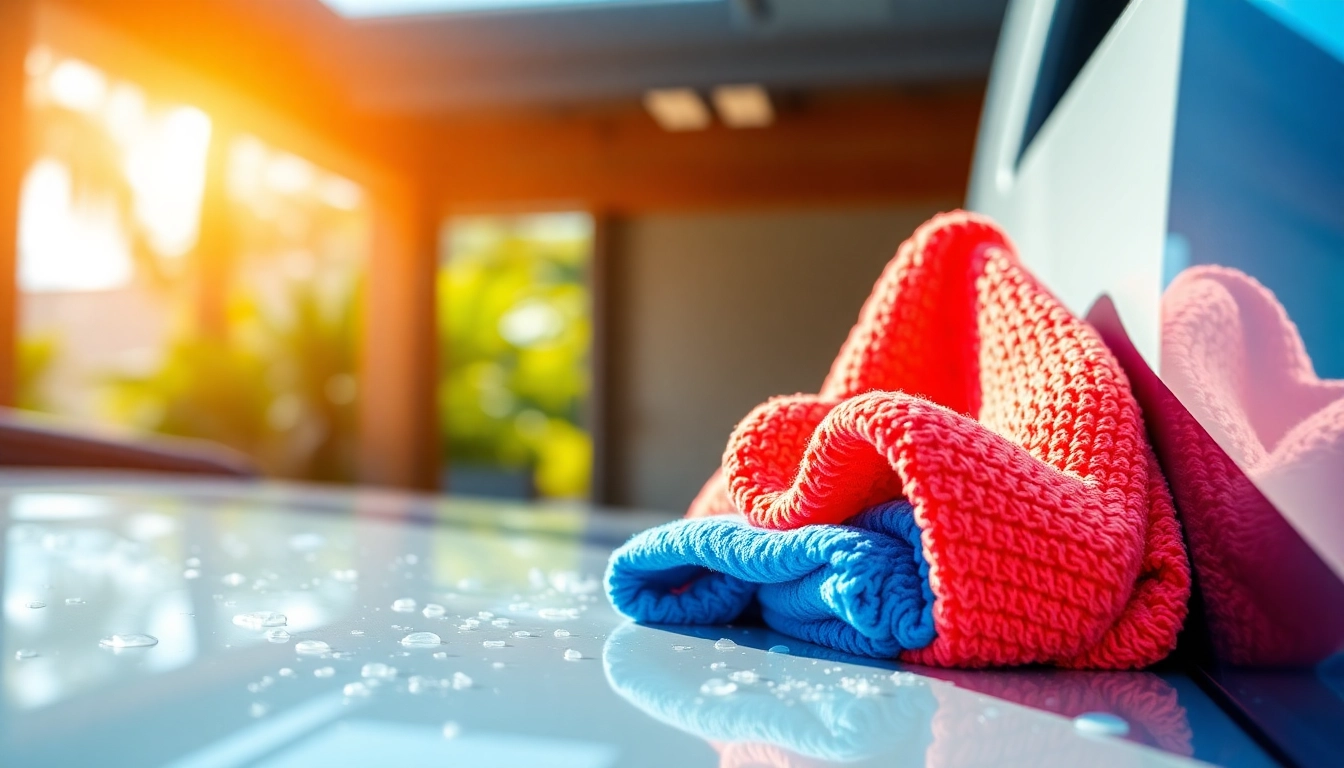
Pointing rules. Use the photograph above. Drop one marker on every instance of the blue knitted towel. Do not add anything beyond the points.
(861, 588)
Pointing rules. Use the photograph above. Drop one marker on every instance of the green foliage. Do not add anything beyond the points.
(516, 331)
(280, 388)
(36, 356)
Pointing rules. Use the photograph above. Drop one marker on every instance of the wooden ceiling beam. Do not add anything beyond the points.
(868, 147)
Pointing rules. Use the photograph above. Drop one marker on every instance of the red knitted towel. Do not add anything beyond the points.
(968, 388)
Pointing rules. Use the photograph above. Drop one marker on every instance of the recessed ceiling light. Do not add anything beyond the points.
(374, 9)
(743, 106)
(677, 109)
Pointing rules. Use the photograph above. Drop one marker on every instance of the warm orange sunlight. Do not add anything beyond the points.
(72, 234)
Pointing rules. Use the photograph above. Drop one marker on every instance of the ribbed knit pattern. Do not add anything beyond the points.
(860, 588)
(968, 389)
(1255, 457)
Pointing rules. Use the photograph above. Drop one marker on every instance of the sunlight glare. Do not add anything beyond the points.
(64, 246)
(76, 85)
(166, 170)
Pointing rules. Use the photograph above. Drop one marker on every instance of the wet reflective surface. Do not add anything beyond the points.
(291, 631)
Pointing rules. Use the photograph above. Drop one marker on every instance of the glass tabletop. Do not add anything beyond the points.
(198, 623)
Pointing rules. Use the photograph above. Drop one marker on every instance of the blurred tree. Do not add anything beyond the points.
(36, 354)
(516, 330)
(281, 389)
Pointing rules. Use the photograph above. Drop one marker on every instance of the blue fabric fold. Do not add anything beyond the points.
(862, 587)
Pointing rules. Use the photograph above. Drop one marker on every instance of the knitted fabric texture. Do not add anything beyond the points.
(1254, 452)
(861, 588)
(968, 389)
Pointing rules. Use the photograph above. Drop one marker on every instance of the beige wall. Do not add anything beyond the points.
(713, 313)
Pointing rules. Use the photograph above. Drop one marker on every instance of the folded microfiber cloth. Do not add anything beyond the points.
(967, 389)
(861, 587)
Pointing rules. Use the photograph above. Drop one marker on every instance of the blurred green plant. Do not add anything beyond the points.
(516, 331)
(37, 354)
(280, 388)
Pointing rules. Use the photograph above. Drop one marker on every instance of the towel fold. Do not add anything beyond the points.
(969, 390)
(861, 587)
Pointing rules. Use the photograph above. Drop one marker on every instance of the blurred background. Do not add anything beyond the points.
(513, 248)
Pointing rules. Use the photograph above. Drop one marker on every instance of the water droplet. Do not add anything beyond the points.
(257, 709)
(485, 615)
(233, 580)
(745, 677)
(403, 605)
(193, 562)
(324, 672)
(441, 655)
(356, 632)
(277, 636)
(681, 647)
(345, 575)
(128, 641)
(718, 687)
(497, 665)
(307, 542)
(37, 604)
(451, 730)
(494, 643)
(421, 640)
(502, 622)
(778, 649)
(191, 573)
(376, 670)
(724, 644)
(75, 601)
(421, 684)
(991, 712)
(260, 620)
(558, 614)
(572, 655)
(859, 686)
(522, 633)
(433, 611)
(286, 672)
(906, 678)
(356, 690)
(718, 665)
(469, 625)
(561, 633)
(461, 682)
(311, 647)
(25, 653)
(1101, 724)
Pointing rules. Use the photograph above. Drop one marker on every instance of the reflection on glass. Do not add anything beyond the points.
(515, 328)
(181, 279)
(109, 208)
(1255, 469)
(787, 711)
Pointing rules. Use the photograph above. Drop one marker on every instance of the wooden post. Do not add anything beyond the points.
(600, 286)
(16, 34)
(398, 366)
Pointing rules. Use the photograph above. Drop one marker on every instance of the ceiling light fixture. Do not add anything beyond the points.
(677, 109)
(743, 106)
